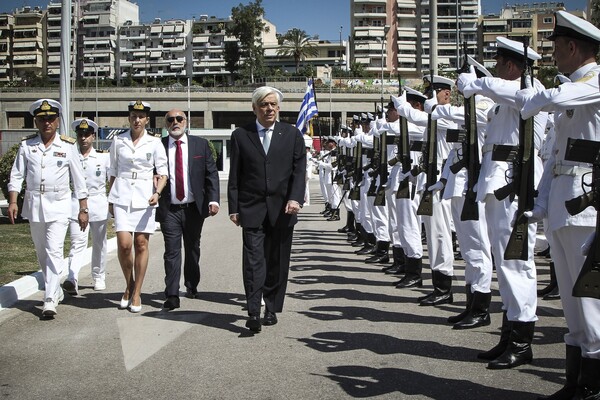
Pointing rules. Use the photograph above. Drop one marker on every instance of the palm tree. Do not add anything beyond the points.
(296, 44)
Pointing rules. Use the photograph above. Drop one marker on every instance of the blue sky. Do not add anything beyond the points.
(316, 17)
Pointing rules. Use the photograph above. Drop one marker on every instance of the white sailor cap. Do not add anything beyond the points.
(343, 127)
(85, 125)
(567, 24)
(308, 142)
(414, 95)
(139, 105)
(480, 70)
(439, 82)
(45, 107)
(511, 48)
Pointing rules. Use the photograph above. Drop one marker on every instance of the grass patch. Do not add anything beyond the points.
(17, 253)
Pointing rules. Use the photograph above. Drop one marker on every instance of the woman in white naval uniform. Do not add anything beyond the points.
(134, 155)
(95, 168)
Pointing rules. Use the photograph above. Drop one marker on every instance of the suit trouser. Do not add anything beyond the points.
(474, 245)
(79, 242)
(409, 225)
(49, 240)
(581, 313)
(393, 228)
(439, 236)
(182, 224)
(516, 278)
(265, 266)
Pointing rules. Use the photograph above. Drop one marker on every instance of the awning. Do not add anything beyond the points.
(200, 39)
(178, 28)
(168, 28)
(20, 45)
(25, 57)
(155, 54)
(155, 29)
(169, 40)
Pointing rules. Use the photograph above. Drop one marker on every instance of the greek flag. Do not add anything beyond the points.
(308, 109)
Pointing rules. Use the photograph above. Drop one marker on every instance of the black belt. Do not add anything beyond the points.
(183, 205)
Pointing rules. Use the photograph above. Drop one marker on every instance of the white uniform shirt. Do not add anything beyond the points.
(49, 172)
(503, 128)
(577, 115)
(95, 170)
(133, 169)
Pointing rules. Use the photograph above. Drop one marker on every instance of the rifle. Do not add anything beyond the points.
(358, 173)
(430, 162)
(470, 153)
(374, 167)
(522, 183)
(348, 168)
(587, 151)
(383, 172)
(404, 154)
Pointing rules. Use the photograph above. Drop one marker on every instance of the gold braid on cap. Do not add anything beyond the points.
(83, 125)
(45, 106)
(138, 106)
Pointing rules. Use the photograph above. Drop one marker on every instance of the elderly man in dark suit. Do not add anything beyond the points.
(265, 194)
(191, 195)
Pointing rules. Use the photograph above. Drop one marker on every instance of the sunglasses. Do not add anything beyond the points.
(179, 118)
(47, 118)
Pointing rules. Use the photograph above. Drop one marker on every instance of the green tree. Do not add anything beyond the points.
(357, 69)
(6, 163)
(296, 44)
(247, 26)
(232, 58)
(546, 76)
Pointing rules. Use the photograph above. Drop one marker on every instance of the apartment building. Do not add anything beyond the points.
(54, 18)
(29, 34)
(7, 22)
(396, 34)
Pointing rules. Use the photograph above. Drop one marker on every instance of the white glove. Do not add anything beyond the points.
(522, 97)
(439, 185)
(398, 101)
(429, 104)
(536, 215)
(465, 79)
(587, 245)
(380, 123)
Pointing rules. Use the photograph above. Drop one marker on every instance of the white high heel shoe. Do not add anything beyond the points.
(135, 309)
(125, 303)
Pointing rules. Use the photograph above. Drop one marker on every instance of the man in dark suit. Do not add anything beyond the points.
(265, 193)
(191, 195)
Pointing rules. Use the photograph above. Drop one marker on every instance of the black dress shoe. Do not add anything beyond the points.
(437, 298)
(409, 281)
(171, 303)
(270, 318)
(191, 293)
(254, 323)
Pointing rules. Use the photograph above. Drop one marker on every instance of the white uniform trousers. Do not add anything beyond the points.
(49, 240)
(334, 194)
(516, 278)
(581, 313)
(79, 242)
(474, 245)
(347, 201)
(409, 227)
(439, 236)
(393, 228)
(322, 184)
(381, 221)
(365, 205)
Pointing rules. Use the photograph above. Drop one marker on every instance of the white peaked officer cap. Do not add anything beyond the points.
(414, 95)
(84, 124)
(514, 49)
(45, 107)
(439, 82)
(139, 105)
(480, 70)
(567, 24)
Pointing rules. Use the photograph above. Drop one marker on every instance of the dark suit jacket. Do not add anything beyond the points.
(261, 184)
(204, 177)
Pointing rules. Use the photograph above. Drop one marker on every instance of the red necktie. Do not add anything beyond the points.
(179, 191)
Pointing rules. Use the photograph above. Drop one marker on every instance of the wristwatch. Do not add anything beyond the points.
(84, 210)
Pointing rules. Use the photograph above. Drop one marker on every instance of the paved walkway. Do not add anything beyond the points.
(345, 332)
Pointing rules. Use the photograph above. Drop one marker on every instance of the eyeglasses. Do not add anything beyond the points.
(47, 118)
(179, 118)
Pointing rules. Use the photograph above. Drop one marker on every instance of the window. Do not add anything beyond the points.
(548, 20)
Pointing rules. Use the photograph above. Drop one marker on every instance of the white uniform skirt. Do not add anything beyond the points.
(129, 219)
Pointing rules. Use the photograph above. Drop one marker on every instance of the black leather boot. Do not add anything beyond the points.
(327, 207)
(551, 291)
(479, 314)
(381, 255)
(498, 349)
(353, 236)
(361, 240)
(335, 215)
(442, 290)
(369, 247)
(457, 318)
(349, 227)
(399, 261)
(518, 351)
(572, 369)
(412, 278)
(589, 380)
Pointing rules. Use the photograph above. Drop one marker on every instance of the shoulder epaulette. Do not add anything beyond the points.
(102, 151)
(155, 134)
(68, 139)
(29, 137)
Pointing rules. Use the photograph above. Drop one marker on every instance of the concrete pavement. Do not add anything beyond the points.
(345, 332)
